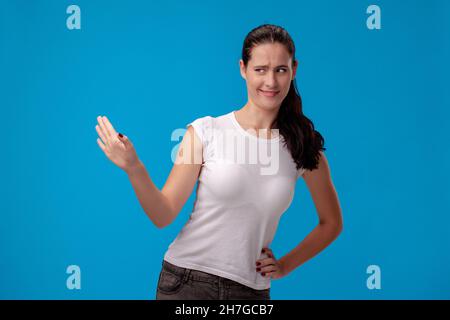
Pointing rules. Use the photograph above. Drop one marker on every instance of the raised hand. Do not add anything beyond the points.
(117, 147)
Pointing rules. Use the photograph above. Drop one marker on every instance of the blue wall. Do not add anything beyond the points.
(379, 97)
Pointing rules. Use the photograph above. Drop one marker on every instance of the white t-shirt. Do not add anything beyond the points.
(239, 201)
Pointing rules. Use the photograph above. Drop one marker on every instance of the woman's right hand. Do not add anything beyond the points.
(118, 149)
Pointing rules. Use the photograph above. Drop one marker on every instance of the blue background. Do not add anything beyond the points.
(380, 98)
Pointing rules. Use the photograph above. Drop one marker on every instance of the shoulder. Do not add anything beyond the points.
(206, 122)
(201, 125)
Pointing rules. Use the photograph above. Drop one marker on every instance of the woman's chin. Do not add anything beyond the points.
(269, 106)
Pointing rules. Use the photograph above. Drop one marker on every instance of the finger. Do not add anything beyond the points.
(267, 269)
(265, 262)
(100, 133)
(269, 274)
(268, 252)
(126, 142)
(104, 130)
(101, 145)
(269, 257)
(109, 127)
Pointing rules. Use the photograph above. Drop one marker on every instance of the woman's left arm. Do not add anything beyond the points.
(330, 224)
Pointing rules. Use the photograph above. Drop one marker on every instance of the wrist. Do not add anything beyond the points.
(135, 168)
(284, 268)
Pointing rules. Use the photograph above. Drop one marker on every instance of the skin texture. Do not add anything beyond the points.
(259, 113)
(162, 207)
(264, 72)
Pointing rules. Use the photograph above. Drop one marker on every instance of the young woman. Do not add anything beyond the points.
(223, 251)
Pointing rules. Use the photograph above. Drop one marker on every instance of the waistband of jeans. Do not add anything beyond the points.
(192, 273)
(173, 268)
(199, 275)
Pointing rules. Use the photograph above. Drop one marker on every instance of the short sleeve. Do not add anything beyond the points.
(203, 129)
(198, 128)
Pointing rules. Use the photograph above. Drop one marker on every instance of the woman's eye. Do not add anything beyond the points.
(258, 70)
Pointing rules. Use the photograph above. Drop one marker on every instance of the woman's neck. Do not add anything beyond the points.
(253, 117)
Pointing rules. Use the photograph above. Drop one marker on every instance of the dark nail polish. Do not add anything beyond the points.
(258, 263)
(263, 274)
(258, 269)
(120, 135)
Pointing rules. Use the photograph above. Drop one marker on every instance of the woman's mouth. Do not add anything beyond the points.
(268, 93)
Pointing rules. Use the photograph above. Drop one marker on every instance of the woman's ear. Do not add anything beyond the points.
(242, 69)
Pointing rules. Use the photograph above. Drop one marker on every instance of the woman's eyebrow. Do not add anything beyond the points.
(265, 66)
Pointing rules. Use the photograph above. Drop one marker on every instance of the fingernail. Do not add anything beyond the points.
(258, 269)
(263, 274)
(263, 251)
(258, 263)
(120, 135)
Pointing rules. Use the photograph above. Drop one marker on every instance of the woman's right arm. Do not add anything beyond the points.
(154, 203)
(163, 206)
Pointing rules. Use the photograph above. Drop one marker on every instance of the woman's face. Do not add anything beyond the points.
(268, 74)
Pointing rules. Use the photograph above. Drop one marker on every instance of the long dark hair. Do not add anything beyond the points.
(301, 139)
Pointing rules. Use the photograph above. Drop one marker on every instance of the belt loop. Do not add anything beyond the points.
(187, 273)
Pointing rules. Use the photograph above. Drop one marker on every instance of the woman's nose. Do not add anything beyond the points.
(270, 80)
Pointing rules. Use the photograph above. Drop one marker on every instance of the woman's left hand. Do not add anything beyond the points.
(270, 266)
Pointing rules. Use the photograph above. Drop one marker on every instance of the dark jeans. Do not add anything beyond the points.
(176, 283)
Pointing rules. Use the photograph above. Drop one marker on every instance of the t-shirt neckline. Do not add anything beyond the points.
(244, 132)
